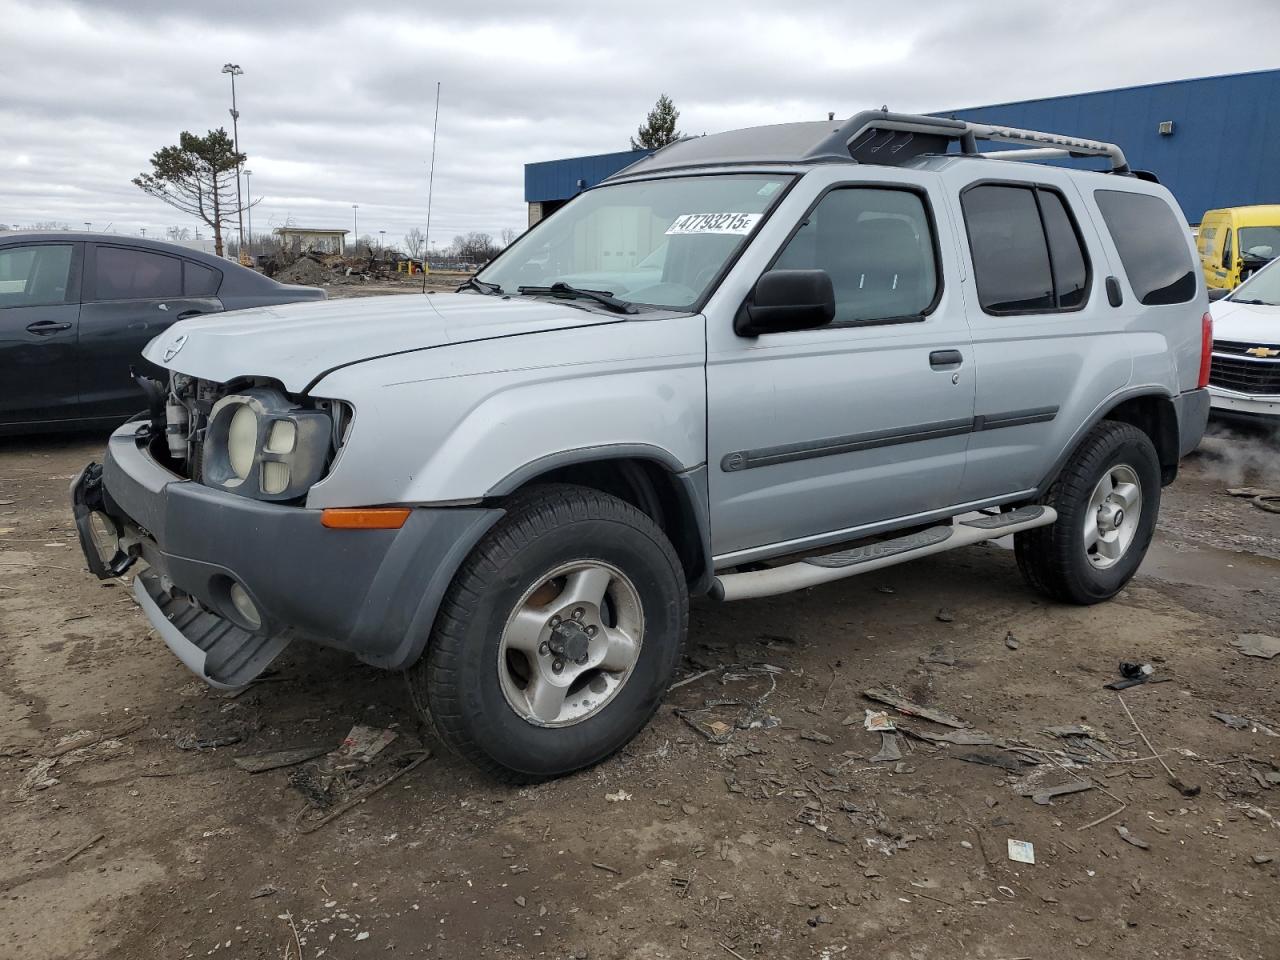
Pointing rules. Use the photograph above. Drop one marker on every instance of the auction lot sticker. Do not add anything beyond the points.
(739, 224)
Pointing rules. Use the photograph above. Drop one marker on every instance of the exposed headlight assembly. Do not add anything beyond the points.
(260, 444)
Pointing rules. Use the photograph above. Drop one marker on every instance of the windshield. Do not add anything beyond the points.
(655, 242)
(1260, 243)
(1263, 287)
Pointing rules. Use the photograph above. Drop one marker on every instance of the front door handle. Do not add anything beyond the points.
(945, 359)
(189, 313)
(43, 327)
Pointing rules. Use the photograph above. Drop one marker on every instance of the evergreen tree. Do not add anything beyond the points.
(659, 126)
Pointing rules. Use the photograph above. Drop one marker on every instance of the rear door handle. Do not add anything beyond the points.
(945, 359)
(42, 327)
(190, 313)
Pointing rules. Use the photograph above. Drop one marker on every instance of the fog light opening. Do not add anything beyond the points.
(245, 606)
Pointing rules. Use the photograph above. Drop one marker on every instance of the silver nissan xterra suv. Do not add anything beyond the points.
(750, 363)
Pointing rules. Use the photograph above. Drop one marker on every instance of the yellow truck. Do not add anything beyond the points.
(1235, 241)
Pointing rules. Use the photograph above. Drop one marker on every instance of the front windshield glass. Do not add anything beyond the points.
(655, 242)
(1263, 287)
(1260, 243)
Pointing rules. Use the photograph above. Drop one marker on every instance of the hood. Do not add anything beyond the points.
(295, 343)
(1245, 323)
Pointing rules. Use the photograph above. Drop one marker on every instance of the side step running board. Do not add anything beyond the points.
(873, 556)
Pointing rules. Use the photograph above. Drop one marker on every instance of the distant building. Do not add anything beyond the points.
(1213, 141)
(312, 239)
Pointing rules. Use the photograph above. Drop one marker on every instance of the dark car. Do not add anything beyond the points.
(76, 309)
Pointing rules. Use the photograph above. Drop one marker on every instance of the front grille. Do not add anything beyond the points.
(1244, 374)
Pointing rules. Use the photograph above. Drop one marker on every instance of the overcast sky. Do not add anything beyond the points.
(337, 96)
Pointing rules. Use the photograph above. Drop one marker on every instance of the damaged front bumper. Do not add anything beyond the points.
(230, 581)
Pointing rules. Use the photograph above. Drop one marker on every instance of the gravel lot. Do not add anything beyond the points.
(786, 840)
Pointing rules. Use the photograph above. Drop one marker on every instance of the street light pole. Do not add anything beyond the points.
(249, 190)
(382, 241)
(235, 71)
(355, 226)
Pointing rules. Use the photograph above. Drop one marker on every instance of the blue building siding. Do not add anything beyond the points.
(1223, 152)
(558, 179)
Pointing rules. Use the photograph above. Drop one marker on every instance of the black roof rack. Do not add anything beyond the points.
(872, 136)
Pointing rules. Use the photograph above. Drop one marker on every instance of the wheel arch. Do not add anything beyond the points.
(647, 477)
(1151, 410)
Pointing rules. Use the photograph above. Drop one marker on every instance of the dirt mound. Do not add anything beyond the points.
(303, 271)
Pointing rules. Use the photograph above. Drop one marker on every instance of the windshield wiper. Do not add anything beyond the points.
(480, 286)
(1256, 303)
(563, 290)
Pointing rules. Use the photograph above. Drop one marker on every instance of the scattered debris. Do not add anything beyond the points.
(192, 742)
(1269, 502)
(363, 743)
(815, 736)
(617, 797)
(87, 738)
(957, 738)
(890, 750)
(877, 721)
(82, 848)
(38, 778)
(424, 756)
(1186, 790)
(1261, 858)
(277, 759)
(1011, 641)
(1257, 645)
(606, 868)
(266, 890)
(1129, 838)
(1249, 492)
(906, 707)
(945, 616)
(1044, 797)
(1022, 851)
(991, 760)
(1133, 674)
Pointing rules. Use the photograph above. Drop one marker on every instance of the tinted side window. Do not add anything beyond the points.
(124, 274)
(1152, 245)
(877, 245)
(34, 276)
(1070, 267)
(1010, 252)
(199, 280)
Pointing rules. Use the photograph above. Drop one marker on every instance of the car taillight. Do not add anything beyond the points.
(1206, 349)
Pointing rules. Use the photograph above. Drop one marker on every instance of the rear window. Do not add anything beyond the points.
(1152, 245)
(126, 274)
(199, 281)
(1027, 253)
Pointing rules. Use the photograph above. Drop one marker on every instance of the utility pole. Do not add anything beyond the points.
(249, 190)
(235, 71)
(355, 226)
(382, 241)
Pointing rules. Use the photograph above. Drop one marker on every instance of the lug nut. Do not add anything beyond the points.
(581, 660)
(555, 622)
(557, 665)
(592, 631)
(543, 648)
(578, 614)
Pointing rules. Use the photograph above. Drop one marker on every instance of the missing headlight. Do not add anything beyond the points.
(261, 444)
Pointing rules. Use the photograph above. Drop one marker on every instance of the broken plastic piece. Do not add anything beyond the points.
(1022, 851)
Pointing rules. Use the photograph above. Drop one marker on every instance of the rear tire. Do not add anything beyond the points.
(1097, 543)
(558, 637)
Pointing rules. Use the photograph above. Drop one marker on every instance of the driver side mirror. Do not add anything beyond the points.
(786, 300)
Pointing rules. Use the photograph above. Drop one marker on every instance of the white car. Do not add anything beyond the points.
(1244, 379)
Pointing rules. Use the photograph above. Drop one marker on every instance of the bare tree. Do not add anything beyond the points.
(508, 237)
(414, 241)
(178, 233)
(474, 247)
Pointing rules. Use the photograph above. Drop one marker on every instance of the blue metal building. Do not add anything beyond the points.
(1222, 148)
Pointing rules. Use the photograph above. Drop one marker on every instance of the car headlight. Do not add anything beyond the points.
(261, 444)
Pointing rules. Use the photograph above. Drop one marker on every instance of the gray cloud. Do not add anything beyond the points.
(336, 100)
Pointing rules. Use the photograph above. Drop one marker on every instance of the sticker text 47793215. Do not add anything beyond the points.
(739, 224)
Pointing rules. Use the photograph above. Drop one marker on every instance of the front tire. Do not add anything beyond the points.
(558, 637)
(1108, 499)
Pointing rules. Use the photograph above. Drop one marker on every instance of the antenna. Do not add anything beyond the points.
(431, 182)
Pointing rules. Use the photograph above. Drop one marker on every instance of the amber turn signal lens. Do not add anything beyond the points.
(364, 518)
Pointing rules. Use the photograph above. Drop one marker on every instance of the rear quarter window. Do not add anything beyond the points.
(1152, 245)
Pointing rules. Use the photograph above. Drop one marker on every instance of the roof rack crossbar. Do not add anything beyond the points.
(1045, 145)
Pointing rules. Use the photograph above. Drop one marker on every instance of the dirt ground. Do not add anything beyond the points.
(785, 841)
